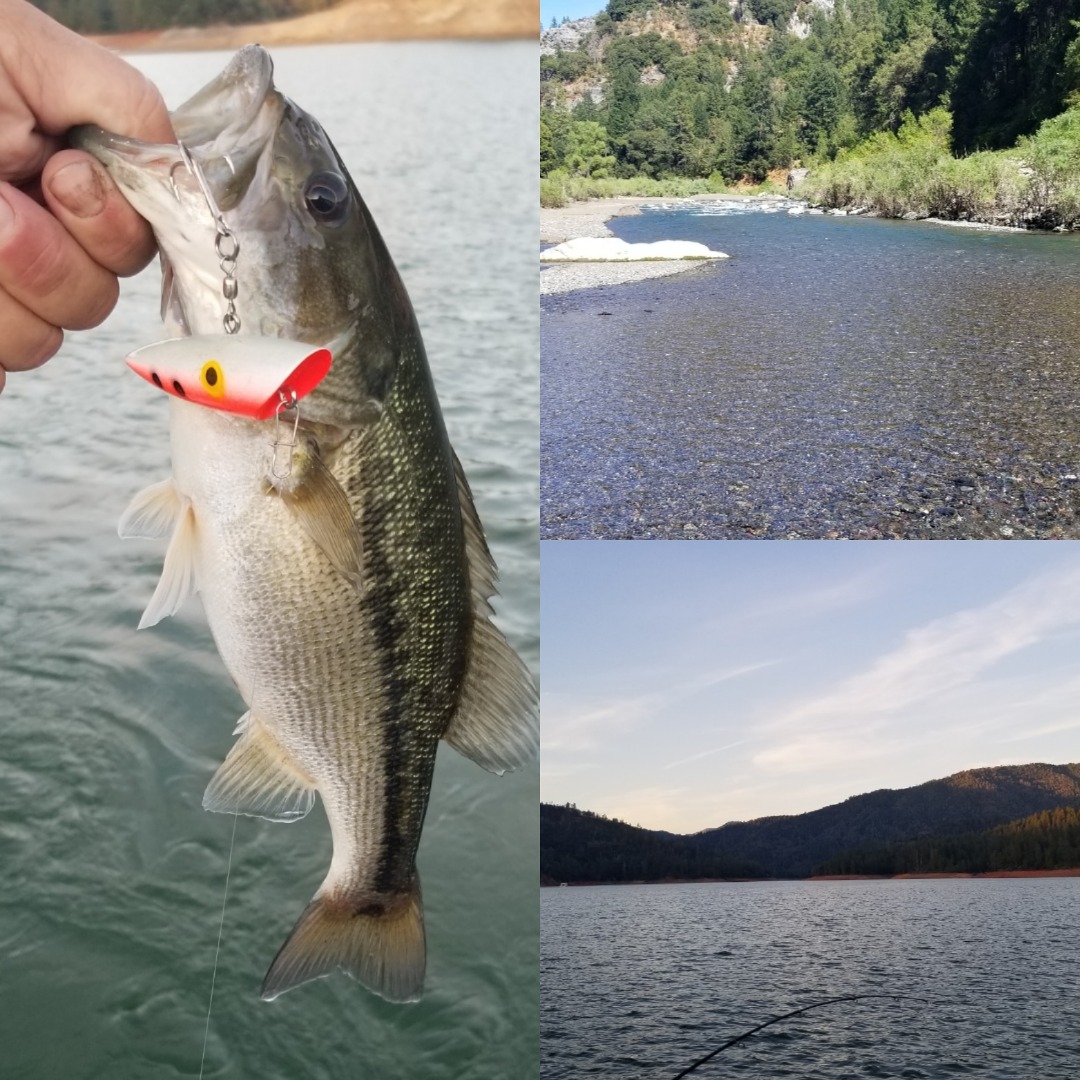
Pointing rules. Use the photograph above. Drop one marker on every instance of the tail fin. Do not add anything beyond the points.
(378, 940)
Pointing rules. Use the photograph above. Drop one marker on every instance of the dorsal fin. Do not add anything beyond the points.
(497, 722)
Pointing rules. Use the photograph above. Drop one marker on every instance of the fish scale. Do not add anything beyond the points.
(341, 565)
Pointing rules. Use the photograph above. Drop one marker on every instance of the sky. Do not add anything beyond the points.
(691, 683)
(573, 9)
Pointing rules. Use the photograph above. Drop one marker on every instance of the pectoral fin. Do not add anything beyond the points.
(322, 508)
(259, 779)
(153, 513)
(497, 722)
(178, 574)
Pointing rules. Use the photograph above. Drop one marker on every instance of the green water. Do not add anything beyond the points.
(113, 875)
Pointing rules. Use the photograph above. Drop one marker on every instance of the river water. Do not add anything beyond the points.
(837, 377)
(113, 873)
(641, 981)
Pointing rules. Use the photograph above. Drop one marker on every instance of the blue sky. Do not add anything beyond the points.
(690, 683)
(573, 9)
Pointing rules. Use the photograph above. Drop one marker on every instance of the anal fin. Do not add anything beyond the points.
(377, 939)
(259, 779)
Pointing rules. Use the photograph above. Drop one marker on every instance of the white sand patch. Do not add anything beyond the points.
(612, 249)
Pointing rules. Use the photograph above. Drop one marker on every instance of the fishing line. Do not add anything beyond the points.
(786, 1016)
(217, 951)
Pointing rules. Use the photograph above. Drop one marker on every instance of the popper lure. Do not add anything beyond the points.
(247, 375)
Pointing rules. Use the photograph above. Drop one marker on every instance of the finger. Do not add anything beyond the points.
(27, 341)
(82, 195)
(46, 270)
(67, 80)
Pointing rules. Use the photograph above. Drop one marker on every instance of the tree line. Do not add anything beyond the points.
(578, 845)
(1049, 840)
(735, 95)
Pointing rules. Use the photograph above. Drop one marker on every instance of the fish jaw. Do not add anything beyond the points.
(228, 128)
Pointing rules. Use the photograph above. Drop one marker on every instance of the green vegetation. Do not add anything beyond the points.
(1046, 841)
(576, 845)
(116, 16)
(561, 189)
(953, 108)
(1035, 184)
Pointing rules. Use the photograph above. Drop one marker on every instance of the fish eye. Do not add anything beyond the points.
(213, 379)
(327, 198)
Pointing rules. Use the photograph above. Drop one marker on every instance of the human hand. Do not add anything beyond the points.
(66, 232)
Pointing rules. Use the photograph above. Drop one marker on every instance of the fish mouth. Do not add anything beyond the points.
(225, 128)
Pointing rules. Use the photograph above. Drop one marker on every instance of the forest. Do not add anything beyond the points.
(118, 16)
(1049, 840)
(690, 90)
(577, 845)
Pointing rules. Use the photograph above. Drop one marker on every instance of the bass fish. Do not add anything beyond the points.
(339, 557)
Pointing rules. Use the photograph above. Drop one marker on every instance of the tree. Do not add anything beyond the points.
(587, 152)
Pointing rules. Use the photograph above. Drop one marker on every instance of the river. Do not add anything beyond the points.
(838, 377)
(113, 873)
(640, 981)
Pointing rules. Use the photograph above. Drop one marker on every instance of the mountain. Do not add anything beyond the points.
(969, 801)
(576, 845)
(732, 89)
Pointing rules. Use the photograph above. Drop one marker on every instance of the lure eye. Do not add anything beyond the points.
(178, 388)
(213, 379)
(327, 198)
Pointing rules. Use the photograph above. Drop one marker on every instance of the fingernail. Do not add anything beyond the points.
(78, 187)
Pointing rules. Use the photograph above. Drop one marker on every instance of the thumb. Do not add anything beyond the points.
(65, 79)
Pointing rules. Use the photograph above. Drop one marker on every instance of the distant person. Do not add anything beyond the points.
(66, 233)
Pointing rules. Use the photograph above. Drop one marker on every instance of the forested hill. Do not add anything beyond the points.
(734, 88)
(578, 846)
(1049, 840)
(969, 801)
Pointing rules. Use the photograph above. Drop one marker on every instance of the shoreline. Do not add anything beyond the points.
(1065, 873)
(589, 219)
(352, 21)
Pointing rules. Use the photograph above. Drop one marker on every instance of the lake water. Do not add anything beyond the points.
(837, 377)
(641, 981)
(113, 873)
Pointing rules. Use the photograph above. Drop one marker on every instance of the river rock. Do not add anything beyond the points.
(612, 249)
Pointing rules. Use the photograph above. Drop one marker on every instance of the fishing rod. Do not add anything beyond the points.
(786, 1016)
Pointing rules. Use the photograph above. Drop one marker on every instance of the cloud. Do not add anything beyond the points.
(859, 718)
(705, 754)
(573, 724)
(576, 725)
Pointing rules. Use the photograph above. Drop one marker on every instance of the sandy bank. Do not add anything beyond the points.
(590, 219)
(356, 20)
